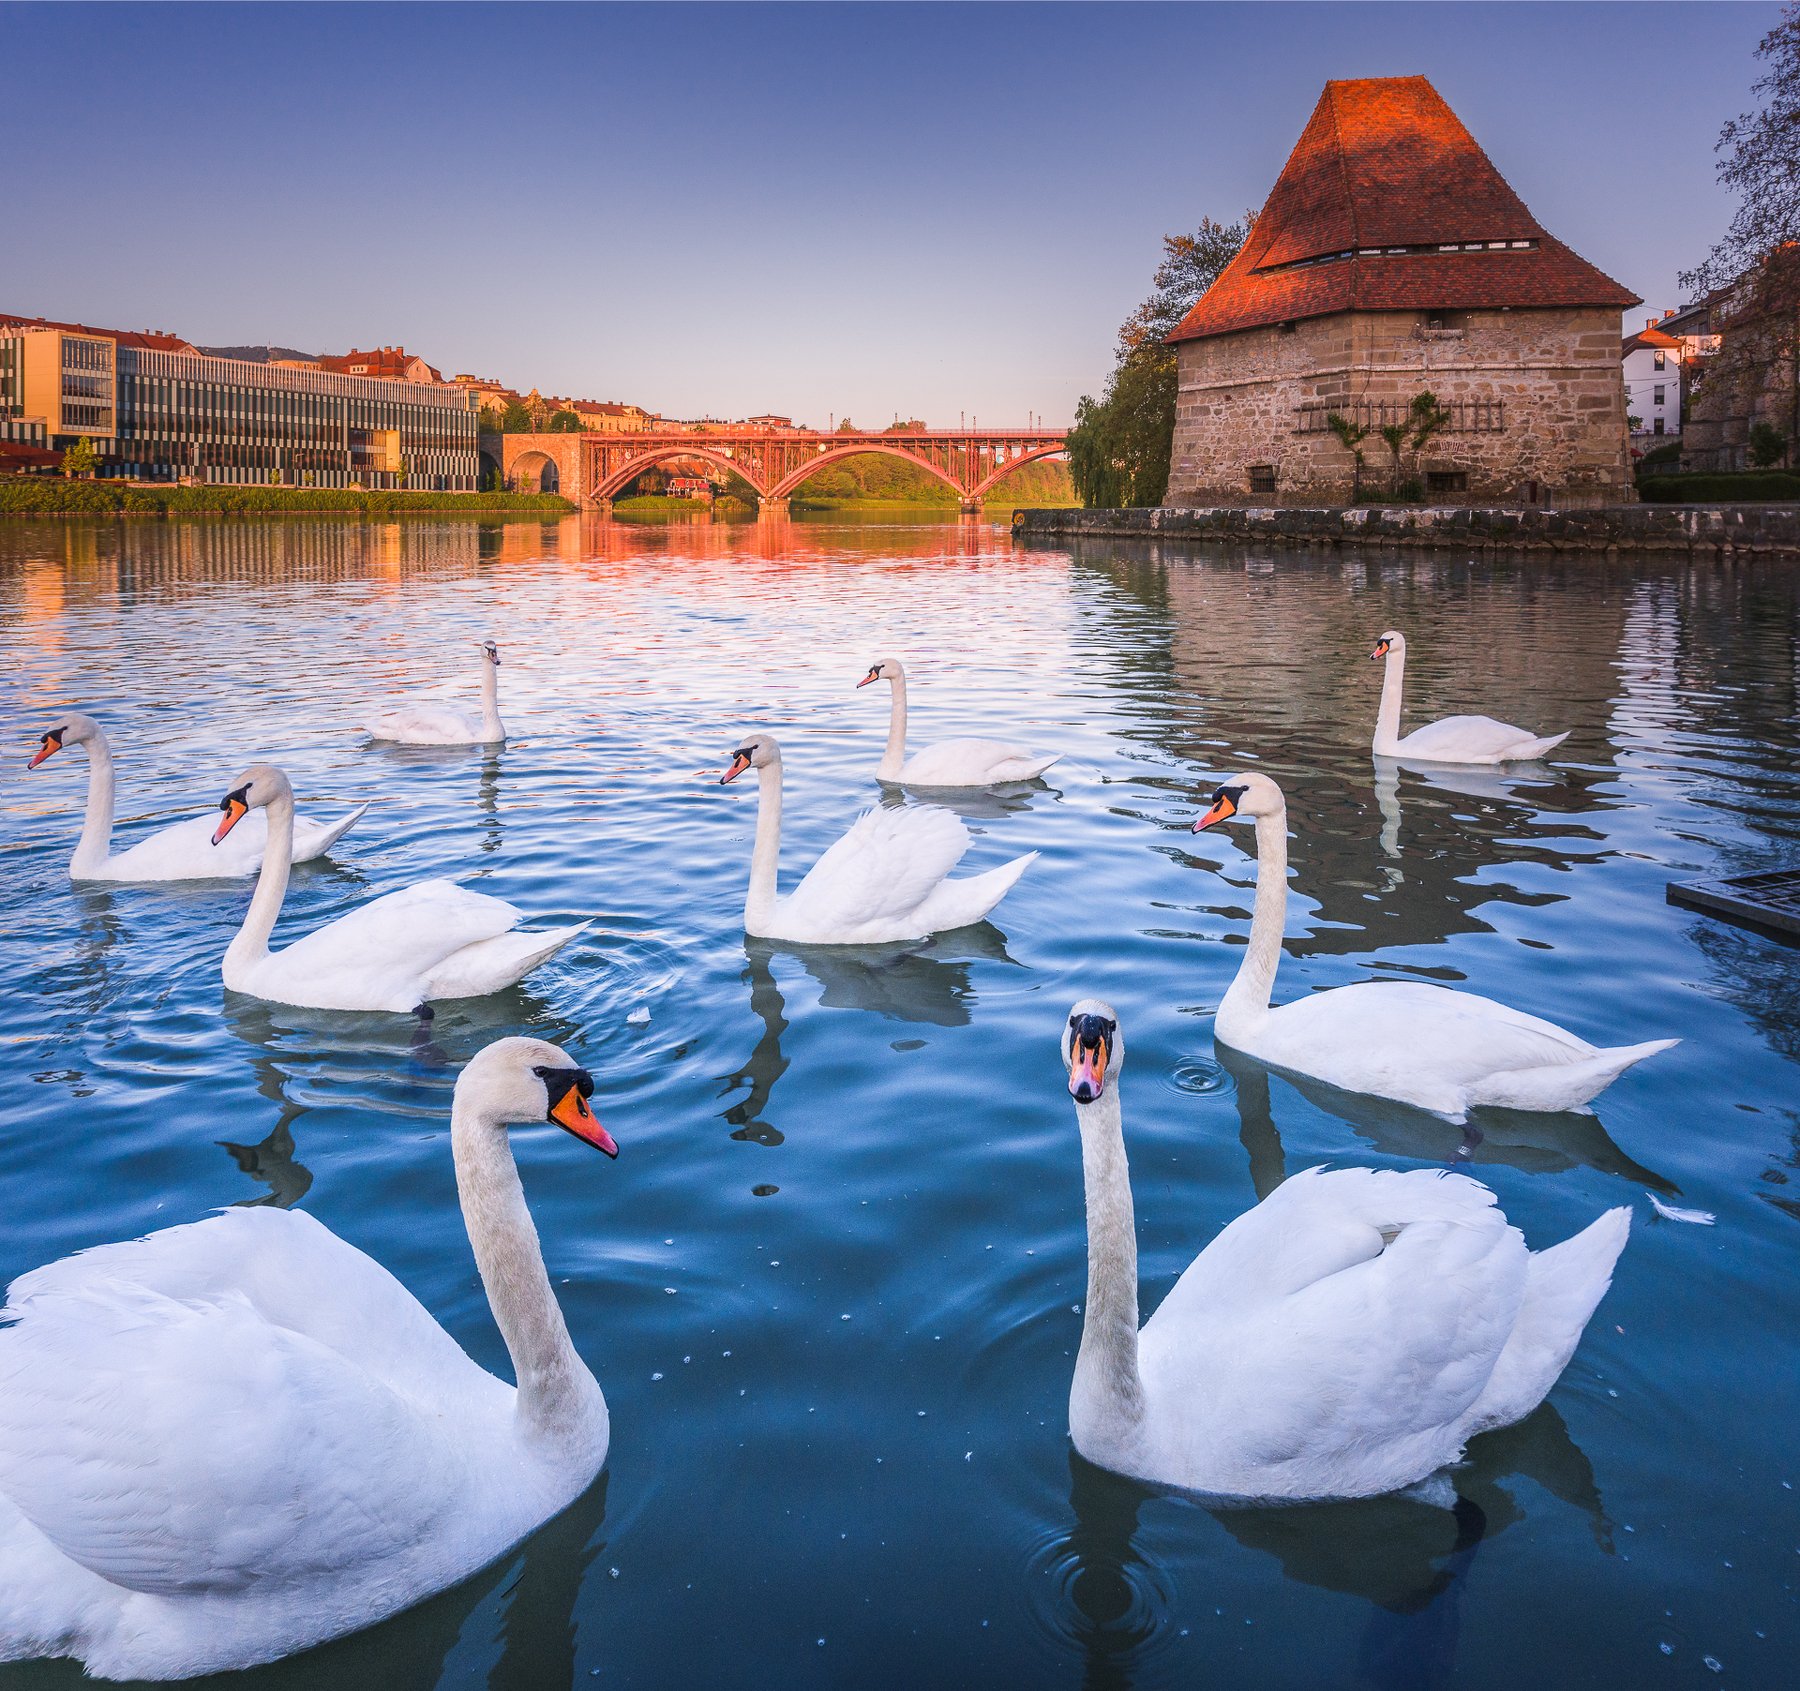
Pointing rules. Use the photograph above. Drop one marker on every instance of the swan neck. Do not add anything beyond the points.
(893, 760)
(1247, 1001)
(759, 903)
(559, 1398)
(252, 943)
(1107, 1385)
(1387, 716)
(95, 844)
(491, 725)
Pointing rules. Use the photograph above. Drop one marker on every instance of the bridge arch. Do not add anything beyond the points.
(536, 472)
(627, 473)
(1002, 471)
(837, 454)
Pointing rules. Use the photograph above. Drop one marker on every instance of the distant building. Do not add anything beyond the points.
(389, 363)
(610, 417)
(1650, 361)
(1391, 260)
(1742, 360)
(689, 487)
(768, 420)
(158, 410)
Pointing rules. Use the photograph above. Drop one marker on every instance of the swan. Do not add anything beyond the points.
(1344, 1338)
(235, 1439)
(886, 879)
(1442, 1050)
(180, 852)
(949, 763)
(431, 722)
(397, 952)
(1451, 739)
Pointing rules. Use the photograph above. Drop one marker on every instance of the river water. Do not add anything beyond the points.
(831, 1287)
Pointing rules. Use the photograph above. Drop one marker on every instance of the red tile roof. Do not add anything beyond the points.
(1652, 337)
(1383, 163)
(125, 337)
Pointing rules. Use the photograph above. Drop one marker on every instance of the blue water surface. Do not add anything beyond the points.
(832, 1285)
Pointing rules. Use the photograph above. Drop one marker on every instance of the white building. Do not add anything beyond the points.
(1652, 360)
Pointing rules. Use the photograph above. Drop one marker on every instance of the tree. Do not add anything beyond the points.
(1768, 446)
(565, 422)
(80, 459)
(848, 427)
(1424, 420)
(515, 419)
(491, 420)
(1120, 445)
(1755, 268)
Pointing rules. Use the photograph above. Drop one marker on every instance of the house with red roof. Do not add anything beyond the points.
(1393, 260)
(1650, 362)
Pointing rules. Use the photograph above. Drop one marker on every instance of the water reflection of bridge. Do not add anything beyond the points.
(593, 469)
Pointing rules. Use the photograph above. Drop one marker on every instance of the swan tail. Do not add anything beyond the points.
(1563, 1086)
(957, 904)
(1025, 768)
(1539, 748)
(489, 965)
(1563, 1287)
(318, 843)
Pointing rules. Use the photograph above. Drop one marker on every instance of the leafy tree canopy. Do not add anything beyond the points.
(1119, 448)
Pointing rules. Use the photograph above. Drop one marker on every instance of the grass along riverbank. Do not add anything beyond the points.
(46, 497)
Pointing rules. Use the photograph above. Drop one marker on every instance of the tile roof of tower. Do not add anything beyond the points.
(1388, 204)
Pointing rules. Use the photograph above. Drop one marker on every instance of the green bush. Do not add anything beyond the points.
(1668, 453)
(52, 498)
(1722, 487)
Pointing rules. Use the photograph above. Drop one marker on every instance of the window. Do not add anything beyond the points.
(1660, 394)
(1262, 478)
(1446, 481)
(1661, 358)
(1658, 429)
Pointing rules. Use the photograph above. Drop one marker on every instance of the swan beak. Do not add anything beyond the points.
(51, 746)
(873, 675)
(1381, 649)
(235, 811)
(1224, 806)
(1087, 1070)
(739, 763)
(570, 1112)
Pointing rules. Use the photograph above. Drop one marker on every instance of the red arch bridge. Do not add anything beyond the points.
(593, 469)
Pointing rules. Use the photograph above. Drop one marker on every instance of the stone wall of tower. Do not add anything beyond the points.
(1538, 395)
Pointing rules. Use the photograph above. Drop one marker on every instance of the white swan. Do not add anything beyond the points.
(949, 763)
(1344, 1338)
(886, 879)
(1451, 739)
(235, 1439)
(183, 851)
(430, 722)
(1439, 1049)
(430, 940)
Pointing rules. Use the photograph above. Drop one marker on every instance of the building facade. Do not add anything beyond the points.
(157, 410)
(1392, 261)
(1650, 362)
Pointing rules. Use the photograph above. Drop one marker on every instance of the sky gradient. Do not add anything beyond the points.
(820, 210)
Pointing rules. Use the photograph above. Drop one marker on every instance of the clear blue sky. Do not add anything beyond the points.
(813, 209)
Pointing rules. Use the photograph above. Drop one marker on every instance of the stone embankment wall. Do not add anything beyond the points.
(1695, 530)
(1538, 398)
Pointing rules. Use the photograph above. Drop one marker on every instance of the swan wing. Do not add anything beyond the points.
(882, 869)
(313, 838)
(427, 722)
(971, 763)
(181, 1448)
(1474, 739)
(184, 851)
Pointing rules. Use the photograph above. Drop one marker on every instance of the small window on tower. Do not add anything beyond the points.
(1446, 481)
(1262, 478)
(1661, 358)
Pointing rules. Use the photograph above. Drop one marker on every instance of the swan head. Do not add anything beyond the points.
(754, 751)
(884, 669)
(492, 651)
(1248, 795)
(514, 1081)
(260, 784)
(1093, 1048)
(69, 729)
(1392, 641)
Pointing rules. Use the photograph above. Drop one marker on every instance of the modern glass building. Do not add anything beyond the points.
(156, 410)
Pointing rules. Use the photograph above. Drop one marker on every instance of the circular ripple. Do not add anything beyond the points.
(1201, 1075)
(1088, 1588)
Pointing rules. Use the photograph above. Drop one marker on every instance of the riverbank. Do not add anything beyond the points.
(47, 498)
(1695, 530)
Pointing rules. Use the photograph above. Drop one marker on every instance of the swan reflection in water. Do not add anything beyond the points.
(271, 1163)
(1520, 785)
(1408, 1558)
(1534, 1141)
(928, 983)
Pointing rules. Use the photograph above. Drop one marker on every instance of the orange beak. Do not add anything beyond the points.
(1087, 1071)
(1381, 649)
(235, 811)
(1223, 808)
(739, 764)
(51, 746)
(873, 675)
(570, 1112)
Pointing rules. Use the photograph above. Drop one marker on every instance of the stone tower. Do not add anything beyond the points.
(1391, 260)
